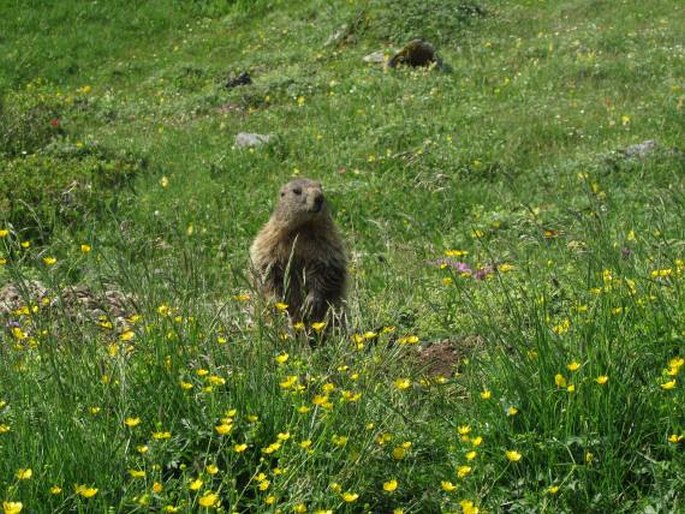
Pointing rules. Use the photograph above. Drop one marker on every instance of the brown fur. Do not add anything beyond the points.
(298, 257)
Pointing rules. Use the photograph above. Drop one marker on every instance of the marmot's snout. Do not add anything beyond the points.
(317, 202)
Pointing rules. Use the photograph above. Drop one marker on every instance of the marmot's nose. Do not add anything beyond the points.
(318, 202)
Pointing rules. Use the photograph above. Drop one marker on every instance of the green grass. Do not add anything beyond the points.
(117, 133)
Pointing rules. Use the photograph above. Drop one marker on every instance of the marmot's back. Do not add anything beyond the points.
(298, 256)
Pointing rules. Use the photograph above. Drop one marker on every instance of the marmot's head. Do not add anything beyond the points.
(301, 201)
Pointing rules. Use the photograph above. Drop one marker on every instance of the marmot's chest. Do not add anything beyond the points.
(301, 248)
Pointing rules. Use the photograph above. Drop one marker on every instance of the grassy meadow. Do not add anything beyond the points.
(516, 338)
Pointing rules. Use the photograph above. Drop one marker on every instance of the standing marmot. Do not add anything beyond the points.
(298, 256)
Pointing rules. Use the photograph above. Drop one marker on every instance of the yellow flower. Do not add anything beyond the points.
(318, 326)
(157, 488)
(300, 508)
(212, 469)
(272, 448)
(573, 366)
(143, 448)
(602, 379)
(513, 455)
(675, 438)
(4, 232)
(240, 447)
(49, 261)
(216, 380)
(18, 333)
(486, 394)
(412, 339)
(674, 366)
(668, 385)
(399, 453)
(463, 471)
(85, 248)
(471, 455)
(136, 473)
(164, 182)
(25, 244)
(24, 474)
(349, 497)
(402, 383)
(463, 429)
(676, 362)
(553, 489)
(12, 507)
(339, 440)
(280, 306)
(512, 411)
(390, 486)
(562, 327)
(170, 508)
(132, 422)
(127, 335)
(283, 436)
(282, 358)
(209, 499)
(571, 388)
(447, 486)
(662, 273)
(224, 428)
(186, 385)
(305, 444)
(559, 380)
(467, 507)
(589, 457)
(55, 489)
(86, 492)
(161, 435)
(196, 484)
(455, 253)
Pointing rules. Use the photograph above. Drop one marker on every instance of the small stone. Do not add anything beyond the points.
(248, 140)
(375, 58)
(337, 37)
(641, 150)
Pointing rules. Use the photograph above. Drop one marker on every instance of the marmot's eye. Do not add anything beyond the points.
(297, 191)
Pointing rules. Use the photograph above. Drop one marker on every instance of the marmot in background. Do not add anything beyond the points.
(298, 257)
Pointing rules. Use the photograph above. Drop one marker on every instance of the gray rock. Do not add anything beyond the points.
(375, 58)
(641, 150)
(337, 37)
(248, 140)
